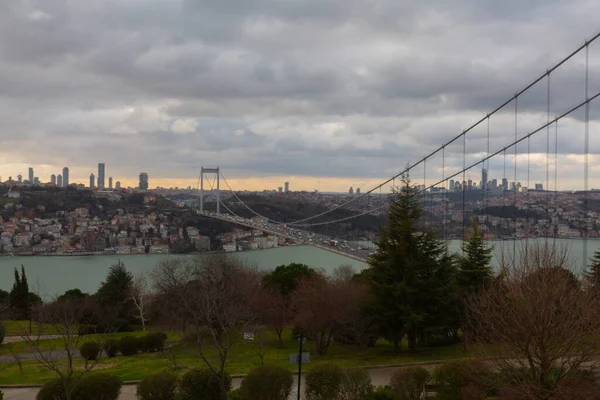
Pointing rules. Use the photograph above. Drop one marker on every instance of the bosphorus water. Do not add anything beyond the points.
(52, 275)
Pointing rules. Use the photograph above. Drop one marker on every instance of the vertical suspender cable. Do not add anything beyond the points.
(515, 184)
(548, 193)
(586, 163)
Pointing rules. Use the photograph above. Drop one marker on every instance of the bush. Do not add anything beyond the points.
(154, 341)
(356, 385)
(90, 351)
(267, 383)
(409, 383)
(203, 385)
(129, 345)
(1, 395)
(324, 382)
(236, 395)
(454, 376)
(2, 332)
(121, 325)
(97, 386)
(111, 347)
(160, 386)
(52, 390)
(382, 393)
(88, 330)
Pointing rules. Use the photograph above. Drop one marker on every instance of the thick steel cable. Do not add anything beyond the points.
(470, 128)
(587, 161)
(507, 147)
(515, 183)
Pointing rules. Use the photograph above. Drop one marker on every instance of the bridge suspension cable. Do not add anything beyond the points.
(442, 148)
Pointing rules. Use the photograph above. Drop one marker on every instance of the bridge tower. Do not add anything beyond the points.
(217, 173)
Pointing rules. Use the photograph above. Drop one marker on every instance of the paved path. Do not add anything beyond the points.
(379, 377)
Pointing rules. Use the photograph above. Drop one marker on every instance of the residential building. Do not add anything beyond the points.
(92, 180)
(59, 181)
(110, 182)
(53, 179)
(118, 185)
(287, 187)
(31, 175)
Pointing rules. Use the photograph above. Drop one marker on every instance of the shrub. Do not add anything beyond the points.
(267, 383)
(382, 393)
(203, 385)
(324, 382)
(129, 345)
(454, 376)
(154, 341)
(2, 332)
(409, 383)
(1, 395)
(52, 390)
(121, 325)
(236, 395)
(97, 386)
(88, 330)
(90, 350)
(111, 347)
(160, 386)
(356, 384)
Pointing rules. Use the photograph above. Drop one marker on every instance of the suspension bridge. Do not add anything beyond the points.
(535, 155)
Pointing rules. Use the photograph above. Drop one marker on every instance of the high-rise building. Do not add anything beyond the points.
(484, 179)
(20, 178)
(92, 180)
(36, 181)
(65, 178)
(118, 185)
(280, 189)
(110, 182)
(504, 184)
(494, 183)
(59, 181)
(287, 186)
(31, 175)
(539, 186)
(53, 179)
(100, 175)
(470, 185)
(351, 191)
(452, 185)
(357, 190)
(143, 180)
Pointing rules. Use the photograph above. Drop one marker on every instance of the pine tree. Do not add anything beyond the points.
(411, 274)
(474, 265)
(19, 295)
(113, 295)
(593, 273)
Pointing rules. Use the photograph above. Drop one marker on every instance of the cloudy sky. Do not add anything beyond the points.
(322, 93)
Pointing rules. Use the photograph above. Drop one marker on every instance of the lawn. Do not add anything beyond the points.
(13, 328)
(242, 359)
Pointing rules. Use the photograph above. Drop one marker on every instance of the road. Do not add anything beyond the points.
(346, 248)
(379, 377)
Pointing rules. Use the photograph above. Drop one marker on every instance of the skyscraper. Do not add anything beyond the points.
(92, 179)
(484, 179)
(65, 177)
(36, 181)
(287, 187)
(53, 179)
(31, 175)
(110, 182)
(504, 184)
(357, 190)
(280, 189)
(59, 181)
(118, 185)
(351, 191)
(100, 175)
(143, 180)
(452, 187)
(20, 178)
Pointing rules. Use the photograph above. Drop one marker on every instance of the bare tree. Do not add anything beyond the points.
(539, 324)
(64, 318)
(215, 298)
(274, 311)
(140, 295)
(324, 305)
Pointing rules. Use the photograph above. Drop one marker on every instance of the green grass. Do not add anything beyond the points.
(241, 361)
(15, 328)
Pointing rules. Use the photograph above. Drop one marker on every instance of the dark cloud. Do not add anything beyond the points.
(318, 88)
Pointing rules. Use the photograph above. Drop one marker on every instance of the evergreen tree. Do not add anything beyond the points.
(593, 273)
(19, 295)
(118, 282)
(285, 278)
(411, 274)
(474, 264)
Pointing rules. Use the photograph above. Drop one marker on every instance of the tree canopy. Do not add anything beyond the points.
(286, 278)
(474, 264)
(19, 295)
